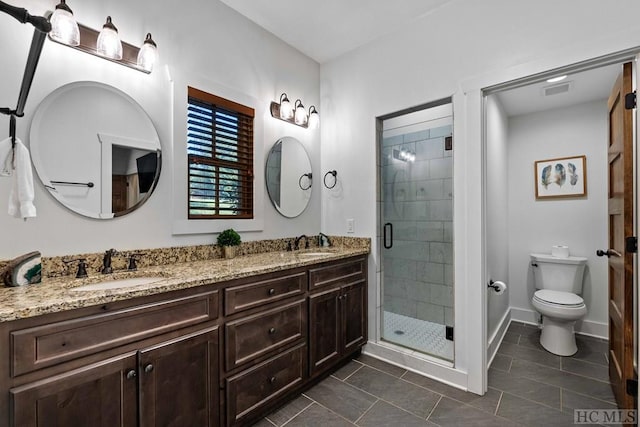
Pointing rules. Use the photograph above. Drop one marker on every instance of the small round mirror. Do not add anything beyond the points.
(95, 149)
(288, 176)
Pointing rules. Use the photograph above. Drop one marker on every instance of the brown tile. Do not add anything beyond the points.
(381, 365)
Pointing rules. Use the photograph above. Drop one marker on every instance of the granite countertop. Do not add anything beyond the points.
(58, 294)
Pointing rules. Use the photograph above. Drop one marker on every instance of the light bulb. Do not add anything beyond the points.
(286, 110)
(64, 28)
(148, 54)
(109, 44)
(314, 118)
(301, 114)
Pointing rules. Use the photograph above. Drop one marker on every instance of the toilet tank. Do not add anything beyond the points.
(558, 274)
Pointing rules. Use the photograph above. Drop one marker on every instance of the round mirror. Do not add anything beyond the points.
(95, 149)
(289, 178)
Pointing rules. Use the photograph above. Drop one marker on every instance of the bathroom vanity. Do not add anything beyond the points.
(218, 342)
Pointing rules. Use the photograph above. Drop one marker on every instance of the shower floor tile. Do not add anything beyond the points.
(416, 334)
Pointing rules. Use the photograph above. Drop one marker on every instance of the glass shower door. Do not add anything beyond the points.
(416, 156)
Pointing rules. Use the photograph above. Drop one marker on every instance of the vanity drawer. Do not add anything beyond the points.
(254, 336)
(46, 345)
(261, 384)
(244, 297)
(338, 274)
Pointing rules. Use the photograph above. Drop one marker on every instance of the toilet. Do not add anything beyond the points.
(558, 282)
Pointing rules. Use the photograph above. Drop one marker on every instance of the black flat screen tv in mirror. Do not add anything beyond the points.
(147, 166)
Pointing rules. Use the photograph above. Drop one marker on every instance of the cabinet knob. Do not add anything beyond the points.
(272, 291)
(272, 331)
(339, 297)
(148, 368)
(272, 380)
(131, 374)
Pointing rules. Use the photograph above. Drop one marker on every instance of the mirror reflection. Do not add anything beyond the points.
(95, 149)
(288, 176)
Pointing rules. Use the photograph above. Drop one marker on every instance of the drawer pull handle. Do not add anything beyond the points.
(131, 374)
(148, 368)
(272, 380)
(272, 331)
(272, 291)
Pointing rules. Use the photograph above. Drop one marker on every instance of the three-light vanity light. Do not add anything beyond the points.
(296, 113)
(106, 43)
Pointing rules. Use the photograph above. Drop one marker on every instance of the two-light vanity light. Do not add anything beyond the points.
(295, 113)
(106, 43)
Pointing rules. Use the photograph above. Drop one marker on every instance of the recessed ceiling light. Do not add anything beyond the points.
(556, 79)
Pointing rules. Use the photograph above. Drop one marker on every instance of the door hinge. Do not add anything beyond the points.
(448, 333)
(630, 100)
(631, 244)
(632, 387)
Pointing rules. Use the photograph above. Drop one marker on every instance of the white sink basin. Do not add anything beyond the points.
(118, 284)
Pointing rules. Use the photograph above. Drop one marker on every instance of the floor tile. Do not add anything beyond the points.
(587, 369)
(521, 328)
(383, 366)
(383, 414)
(316, 415)
(403, 394)
(525, 388)
(263, 423)
(571, 401)
(341, 398)
(597, 389)
(347, 370)
(528, 413)
(511, 337)
(530, 354)
(488, 402)
(501, 362)
(591, 350)
(451, 413)
(289, 410)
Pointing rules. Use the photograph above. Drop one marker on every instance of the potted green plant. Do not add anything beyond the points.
(229, 240)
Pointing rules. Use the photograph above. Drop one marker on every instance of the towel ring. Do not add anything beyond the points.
(308, 175)
(335, 179)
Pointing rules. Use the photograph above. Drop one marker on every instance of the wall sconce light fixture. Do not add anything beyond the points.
(404, 155)
(106, 43)
(295, 114)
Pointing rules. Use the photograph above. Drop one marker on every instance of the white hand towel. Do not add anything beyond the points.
(17, 164)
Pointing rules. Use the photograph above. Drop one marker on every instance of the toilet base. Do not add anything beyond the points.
(558, 336)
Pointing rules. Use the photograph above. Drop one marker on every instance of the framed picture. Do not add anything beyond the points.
(561, 178)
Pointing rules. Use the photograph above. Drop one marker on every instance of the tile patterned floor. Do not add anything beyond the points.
(417, 334)
(527, 386)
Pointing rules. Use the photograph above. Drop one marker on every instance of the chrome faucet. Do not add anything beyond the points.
(321, 235)
(296, 244)
(106, 261)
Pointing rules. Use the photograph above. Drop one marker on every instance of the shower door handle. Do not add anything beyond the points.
(387, 240)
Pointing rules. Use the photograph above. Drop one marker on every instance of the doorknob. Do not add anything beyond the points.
(608, 253)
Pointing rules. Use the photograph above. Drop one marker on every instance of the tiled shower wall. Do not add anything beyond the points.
(417, 198)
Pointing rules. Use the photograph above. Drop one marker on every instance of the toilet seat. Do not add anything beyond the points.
(558, 298)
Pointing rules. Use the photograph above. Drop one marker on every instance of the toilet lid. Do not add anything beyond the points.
(558, 297)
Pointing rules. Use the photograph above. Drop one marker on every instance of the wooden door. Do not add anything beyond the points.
(102, 395)
(354, 318)
(621, 212)
(179, 381)
(118, 193)
(324, 333)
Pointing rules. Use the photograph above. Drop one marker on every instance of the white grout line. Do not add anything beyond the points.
(434, 407)
(365, 412)
(299, 412)
(498, 405)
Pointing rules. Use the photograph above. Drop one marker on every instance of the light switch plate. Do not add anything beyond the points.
(350, 225)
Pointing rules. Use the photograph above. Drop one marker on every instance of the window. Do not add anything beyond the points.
(220, 157)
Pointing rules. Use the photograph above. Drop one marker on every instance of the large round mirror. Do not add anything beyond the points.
(95, 149)
(289, 178)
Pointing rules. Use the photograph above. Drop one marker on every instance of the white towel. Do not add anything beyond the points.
(17, 164)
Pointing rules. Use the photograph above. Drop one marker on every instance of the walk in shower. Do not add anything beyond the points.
(416, 219)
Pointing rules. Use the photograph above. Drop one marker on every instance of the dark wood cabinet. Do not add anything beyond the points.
(102, 394)
(354, 317)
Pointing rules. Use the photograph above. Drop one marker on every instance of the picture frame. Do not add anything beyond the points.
(560, 178)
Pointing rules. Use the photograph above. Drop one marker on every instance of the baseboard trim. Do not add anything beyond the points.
(498, 336)
(583, 327)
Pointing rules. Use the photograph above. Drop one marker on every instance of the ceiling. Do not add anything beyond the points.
(325, 29)
(585, 86)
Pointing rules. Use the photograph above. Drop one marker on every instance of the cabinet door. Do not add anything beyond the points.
(354, 325)
(102, 394)
(179, 381)
(324, 331)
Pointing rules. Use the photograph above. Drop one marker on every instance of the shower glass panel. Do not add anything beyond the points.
(416, 171)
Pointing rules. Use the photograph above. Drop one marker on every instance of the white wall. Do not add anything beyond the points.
(581, 224)
(459, 49)
(203, 38)
(497, 232)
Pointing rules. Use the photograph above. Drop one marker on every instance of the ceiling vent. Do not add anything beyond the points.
(556, 89)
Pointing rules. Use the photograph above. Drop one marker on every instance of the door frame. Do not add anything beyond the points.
(474, 93)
